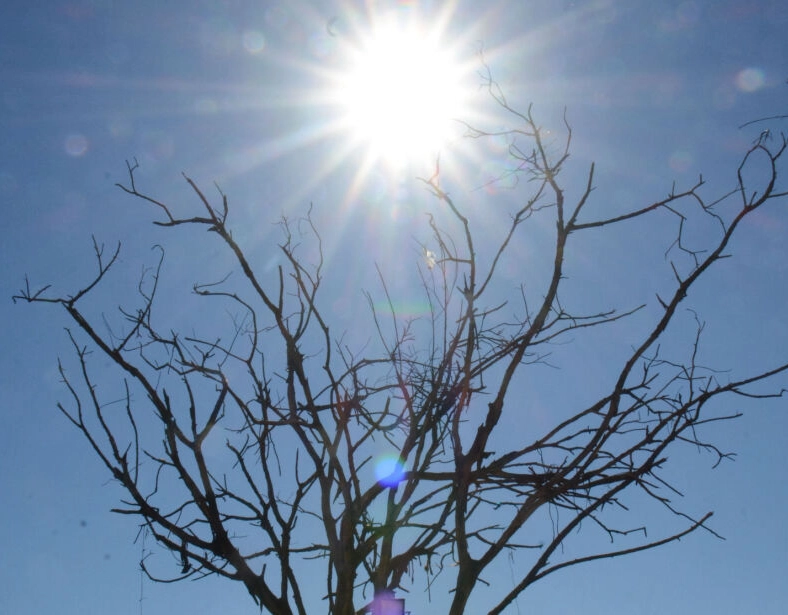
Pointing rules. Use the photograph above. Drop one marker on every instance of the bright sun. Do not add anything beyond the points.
(401, 93)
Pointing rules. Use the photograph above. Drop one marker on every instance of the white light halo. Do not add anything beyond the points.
(401, 93)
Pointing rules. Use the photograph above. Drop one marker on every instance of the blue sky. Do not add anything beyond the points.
(235, 92)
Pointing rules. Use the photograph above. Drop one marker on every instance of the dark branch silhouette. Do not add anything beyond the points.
(300, 413)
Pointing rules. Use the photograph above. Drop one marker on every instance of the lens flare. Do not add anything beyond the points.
(389, 470)
(750, 79)
(76, 145)
(402, 92)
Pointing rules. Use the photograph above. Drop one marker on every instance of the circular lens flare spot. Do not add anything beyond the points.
(253, 41)
(680, 161)
(76, 145)
(750, 79)
(389, 470)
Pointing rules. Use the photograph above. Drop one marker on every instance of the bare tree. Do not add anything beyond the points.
(302, 412)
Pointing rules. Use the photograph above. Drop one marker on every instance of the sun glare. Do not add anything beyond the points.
(401, 93)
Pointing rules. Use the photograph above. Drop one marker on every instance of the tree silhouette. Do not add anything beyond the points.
(301, 414)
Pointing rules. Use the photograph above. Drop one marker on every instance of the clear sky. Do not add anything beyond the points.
(238, 92)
